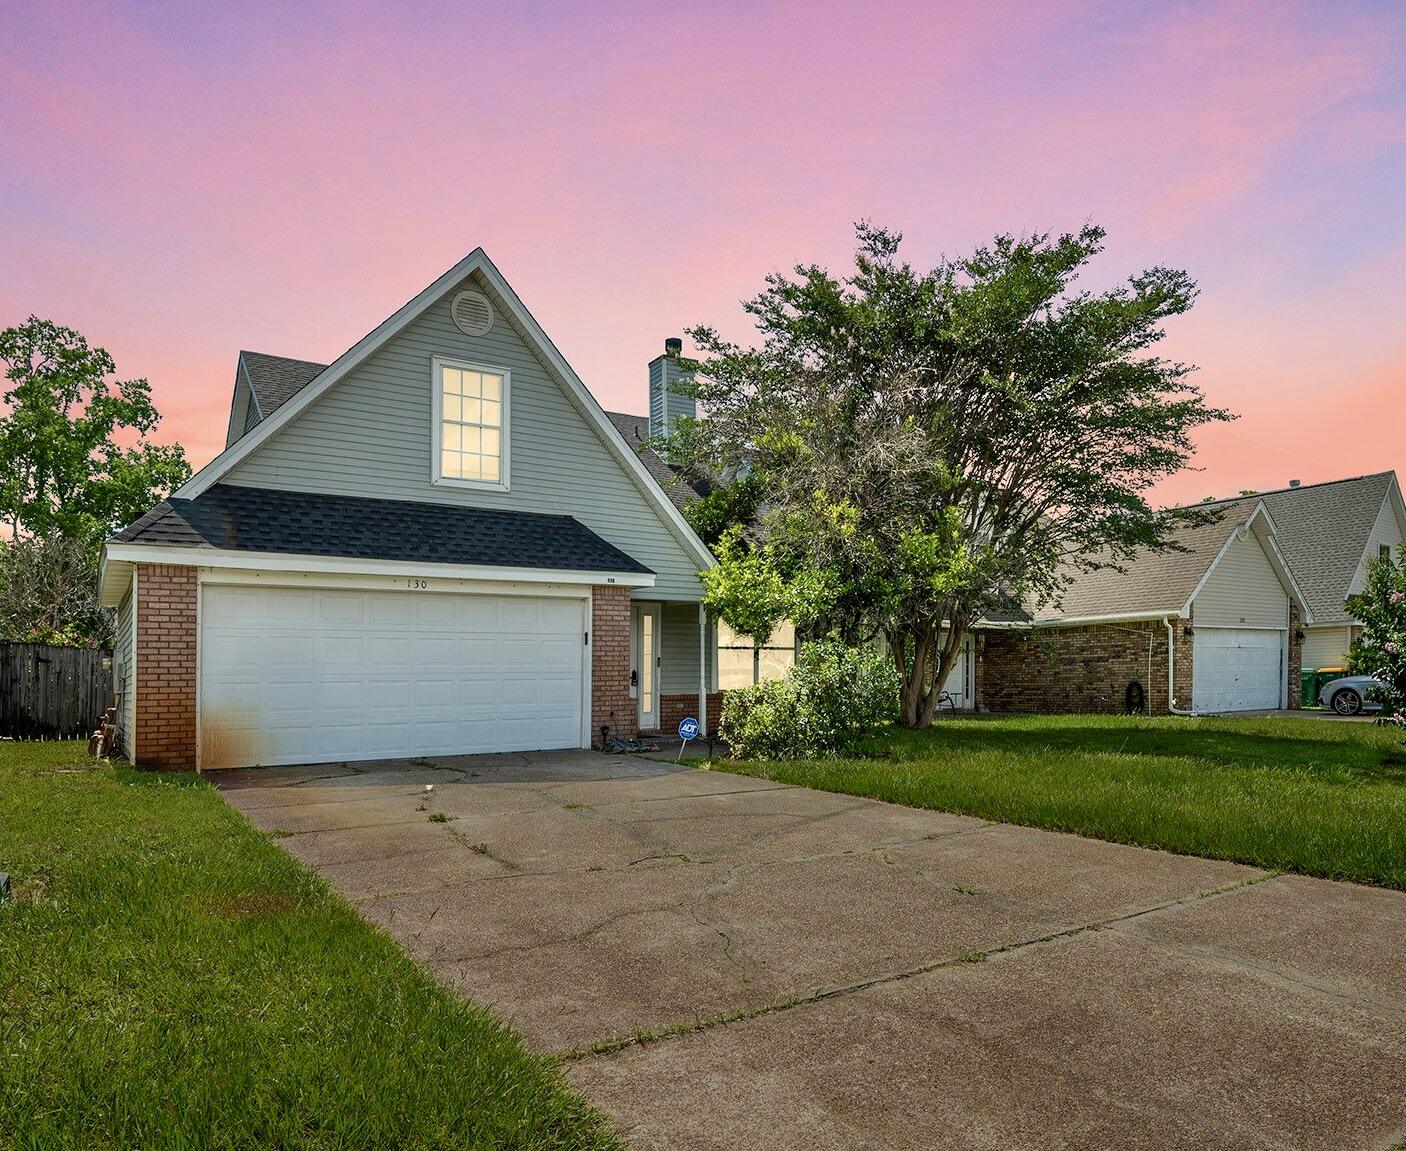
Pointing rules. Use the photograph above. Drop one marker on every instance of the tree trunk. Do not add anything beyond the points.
(934, 653)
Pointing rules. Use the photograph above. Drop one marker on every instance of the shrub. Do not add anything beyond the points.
(1381, 648)
(833, 697)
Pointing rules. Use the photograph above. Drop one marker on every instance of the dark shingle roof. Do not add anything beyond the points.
(1323, 531)
(277, 379)
(635, 429)
(305, 523)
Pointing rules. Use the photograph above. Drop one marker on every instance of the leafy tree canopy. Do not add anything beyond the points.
(932, 445)
(74, 455)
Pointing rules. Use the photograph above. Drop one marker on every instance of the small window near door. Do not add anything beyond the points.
(470, 425)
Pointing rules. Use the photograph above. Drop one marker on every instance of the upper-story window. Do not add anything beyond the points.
(470, 425)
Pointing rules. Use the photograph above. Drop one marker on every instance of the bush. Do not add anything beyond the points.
(832, 698)
(1381, 648)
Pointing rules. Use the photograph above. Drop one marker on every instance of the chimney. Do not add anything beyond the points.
(1293, 483)
(669, 394)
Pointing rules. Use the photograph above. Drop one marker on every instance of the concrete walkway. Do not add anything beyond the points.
(734, 963)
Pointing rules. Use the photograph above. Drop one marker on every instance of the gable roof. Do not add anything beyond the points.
(1323, 530)
(1164, 582)
(274, 380)
(475, 263)
(230, 518)
(1152, 582)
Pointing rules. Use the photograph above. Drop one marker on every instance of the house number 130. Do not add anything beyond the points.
(417, 584)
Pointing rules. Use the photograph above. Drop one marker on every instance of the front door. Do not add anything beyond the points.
(647, 619)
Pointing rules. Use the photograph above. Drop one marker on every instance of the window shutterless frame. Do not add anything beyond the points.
(438, 364)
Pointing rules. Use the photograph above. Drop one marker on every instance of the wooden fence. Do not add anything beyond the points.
(53, 692)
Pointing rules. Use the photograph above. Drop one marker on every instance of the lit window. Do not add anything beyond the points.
(471, 406)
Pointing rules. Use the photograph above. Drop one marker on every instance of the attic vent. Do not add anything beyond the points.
(473, 314)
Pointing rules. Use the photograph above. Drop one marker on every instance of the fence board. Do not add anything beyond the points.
(53, 692)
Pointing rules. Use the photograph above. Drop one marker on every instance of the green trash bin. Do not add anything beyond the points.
(1308, 679)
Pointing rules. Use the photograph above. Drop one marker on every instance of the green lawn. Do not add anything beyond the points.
(169, 978)
(1320, 797)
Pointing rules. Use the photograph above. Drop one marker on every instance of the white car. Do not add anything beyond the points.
(1352, 694)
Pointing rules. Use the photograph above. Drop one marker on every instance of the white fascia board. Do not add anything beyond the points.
(1078, 620)
(359, 351)
(613, 439)
(114, 577)
(289, 562)
(1276, 559)
(475, 261)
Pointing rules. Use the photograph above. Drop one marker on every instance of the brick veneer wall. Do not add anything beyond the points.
(673, 709)
(1183, 653)
(1295, 656)
(166, 645)
(1079, 669)
(611, 705)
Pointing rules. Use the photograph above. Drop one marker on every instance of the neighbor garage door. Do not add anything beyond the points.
(1236, 669)
(298, 675)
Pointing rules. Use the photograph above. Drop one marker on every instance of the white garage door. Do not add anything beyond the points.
(1236, 669)
(297, 675)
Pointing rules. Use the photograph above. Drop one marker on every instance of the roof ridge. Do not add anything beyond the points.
(1288, 488)
(289, 359)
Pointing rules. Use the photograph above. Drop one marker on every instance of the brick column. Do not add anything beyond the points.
(166, 644)
(1183, 654)
(611, 705)
(1295, 656)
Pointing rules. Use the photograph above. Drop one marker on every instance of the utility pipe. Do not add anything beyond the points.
(1171, 673)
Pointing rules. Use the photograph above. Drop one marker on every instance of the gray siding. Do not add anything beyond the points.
(370, 436)
(678, 673)
(125, 682)
(1243, 591)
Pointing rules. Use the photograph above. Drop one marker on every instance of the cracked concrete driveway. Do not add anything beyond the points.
(821, 971)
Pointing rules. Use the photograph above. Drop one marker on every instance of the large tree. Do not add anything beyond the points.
(74, 455)
(933, 445)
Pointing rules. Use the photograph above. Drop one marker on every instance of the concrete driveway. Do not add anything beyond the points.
(734, 963)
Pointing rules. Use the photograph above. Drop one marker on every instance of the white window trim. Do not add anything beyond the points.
(437, 478)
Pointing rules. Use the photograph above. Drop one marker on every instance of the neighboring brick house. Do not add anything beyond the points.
(1222, 607)
(436, 544)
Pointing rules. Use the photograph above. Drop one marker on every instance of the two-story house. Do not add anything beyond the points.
(436, 544)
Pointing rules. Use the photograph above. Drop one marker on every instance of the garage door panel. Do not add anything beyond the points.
(292, 675)
(1237, 669)
(393, 611)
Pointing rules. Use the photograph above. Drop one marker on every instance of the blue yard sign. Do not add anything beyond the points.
(688, 729)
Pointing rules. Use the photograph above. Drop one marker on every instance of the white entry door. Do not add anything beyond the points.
(1237, 669)
(305, 675)
(647, 664)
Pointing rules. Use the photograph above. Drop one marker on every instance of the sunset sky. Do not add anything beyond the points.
(179, 181)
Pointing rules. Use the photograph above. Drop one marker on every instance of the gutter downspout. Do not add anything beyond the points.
(702, 671)
(1171, 673)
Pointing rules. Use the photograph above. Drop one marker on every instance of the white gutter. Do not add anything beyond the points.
(1171, 672)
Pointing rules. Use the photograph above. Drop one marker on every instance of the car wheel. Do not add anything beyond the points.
(1347, 702)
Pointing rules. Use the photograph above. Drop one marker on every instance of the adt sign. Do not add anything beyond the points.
(688, 729)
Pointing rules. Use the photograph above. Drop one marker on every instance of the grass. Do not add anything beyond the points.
(1313, 796)
(169, 978)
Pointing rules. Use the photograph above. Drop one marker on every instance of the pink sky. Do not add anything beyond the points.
(180, 182)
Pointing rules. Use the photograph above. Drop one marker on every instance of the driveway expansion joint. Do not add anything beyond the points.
(643, 1037)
